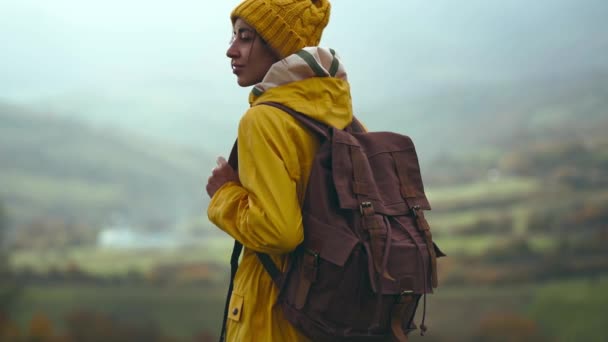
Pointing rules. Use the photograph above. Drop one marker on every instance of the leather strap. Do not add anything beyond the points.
(403, 313)
(377, 240)
(398, 333)
(319, 128)
(360, 187)
(355, 126)
(408, 193)
(423, 226)
(401, 167)
(307, 276)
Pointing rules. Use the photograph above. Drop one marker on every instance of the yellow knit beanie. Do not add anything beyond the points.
(286, 25)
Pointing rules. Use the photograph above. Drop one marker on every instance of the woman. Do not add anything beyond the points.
(275, 49)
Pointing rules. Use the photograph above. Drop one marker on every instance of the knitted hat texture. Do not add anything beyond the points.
(286, 25)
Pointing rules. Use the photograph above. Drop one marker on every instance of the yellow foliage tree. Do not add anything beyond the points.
(40, 328)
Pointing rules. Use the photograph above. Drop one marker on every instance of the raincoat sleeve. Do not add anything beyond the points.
(263, 212)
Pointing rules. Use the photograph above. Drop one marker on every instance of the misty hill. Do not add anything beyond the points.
(446, 120)
(493, 118)
(56, 167)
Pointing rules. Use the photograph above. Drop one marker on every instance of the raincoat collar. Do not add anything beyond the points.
(312, 81)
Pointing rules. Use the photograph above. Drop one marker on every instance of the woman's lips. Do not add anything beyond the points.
(237, 68)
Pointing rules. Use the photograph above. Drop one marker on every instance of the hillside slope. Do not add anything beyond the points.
(56, 167)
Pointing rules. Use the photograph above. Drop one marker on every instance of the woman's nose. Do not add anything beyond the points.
(232, 51)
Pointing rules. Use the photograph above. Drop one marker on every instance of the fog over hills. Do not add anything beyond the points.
(160, 69)
(55, 167)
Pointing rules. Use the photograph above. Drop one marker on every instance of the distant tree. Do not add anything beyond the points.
(508, 327)
(41, 328)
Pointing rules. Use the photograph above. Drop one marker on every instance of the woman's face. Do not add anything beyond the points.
(250, 56)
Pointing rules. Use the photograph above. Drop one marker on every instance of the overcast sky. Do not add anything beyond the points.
(124, 53)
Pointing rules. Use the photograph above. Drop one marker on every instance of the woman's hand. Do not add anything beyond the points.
(220, 175)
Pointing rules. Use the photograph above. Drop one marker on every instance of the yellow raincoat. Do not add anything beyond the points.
(275, 157)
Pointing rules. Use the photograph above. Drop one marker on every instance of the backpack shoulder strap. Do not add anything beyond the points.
(323, 131)
(317, 127)
(233, 159)
(355, 126)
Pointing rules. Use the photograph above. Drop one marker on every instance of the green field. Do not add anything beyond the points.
(555, 311)
(179, 312)
(114, 261)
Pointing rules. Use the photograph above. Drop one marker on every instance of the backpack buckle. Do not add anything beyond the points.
(405, 296)
(406, 292)
(366, 208)
(414, 210)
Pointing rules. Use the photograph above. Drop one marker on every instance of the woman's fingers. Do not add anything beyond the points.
(220, 174)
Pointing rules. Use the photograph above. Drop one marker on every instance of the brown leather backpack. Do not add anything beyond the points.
(368, 254)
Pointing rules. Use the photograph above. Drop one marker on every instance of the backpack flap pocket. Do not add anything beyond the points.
(322, 264)
(333, 244)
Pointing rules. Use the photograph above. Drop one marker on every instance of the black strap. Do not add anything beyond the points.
(271, 268)
(234, 265)
(233, 161)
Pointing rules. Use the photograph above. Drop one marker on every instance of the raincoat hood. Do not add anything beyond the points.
(313, 82)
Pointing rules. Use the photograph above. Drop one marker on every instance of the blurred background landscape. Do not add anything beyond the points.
(112, 115)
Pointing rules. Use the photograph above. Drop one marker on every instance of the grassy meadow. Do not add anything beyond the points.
(180, 312)
(568, 310)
